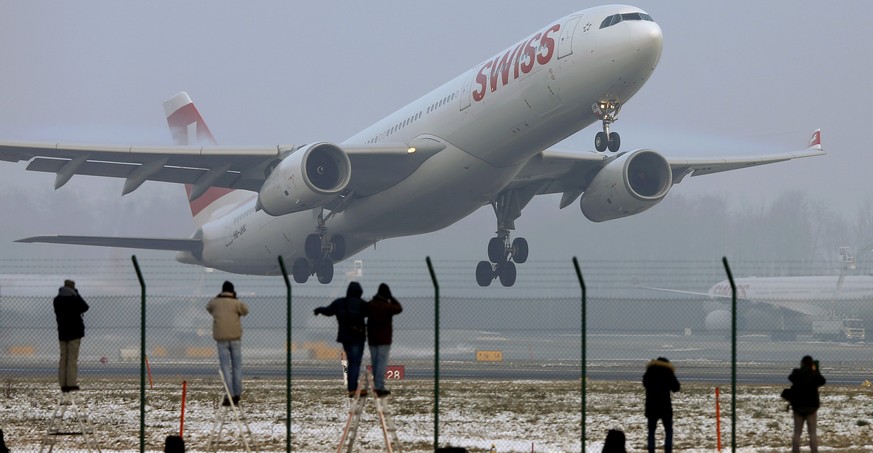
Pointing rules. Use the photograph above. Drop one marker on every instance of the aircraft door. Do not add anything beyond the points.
(565, 43)
(466, 93)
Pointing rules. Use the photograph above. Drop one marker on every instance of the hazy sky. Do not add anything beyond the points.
(735, 78)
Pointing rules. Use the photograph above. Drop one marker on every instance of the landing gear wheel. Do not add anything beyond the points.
(601, 141)
(496, 250)
(614, 141)
(484, 273)
(324, 271)
(519, 250)
(312, 247)
(506, 272)
(338, 248)
(300, 270)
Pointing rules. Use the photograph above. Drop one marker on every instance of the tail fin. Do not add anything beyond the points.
(186, 124)
(188, 128)
(815, 140)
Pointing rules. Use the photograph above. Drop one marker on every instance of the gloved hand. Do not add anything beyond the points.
(317, 311)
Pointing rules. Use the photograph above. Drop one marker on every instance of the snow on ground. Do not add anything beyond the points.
(515, 416)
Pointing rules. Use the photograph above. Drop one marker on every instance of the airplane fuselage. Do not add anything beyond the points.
(816, 295)
(492, 119)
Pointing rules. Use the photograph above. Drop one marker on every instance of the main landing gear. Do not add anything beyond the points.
(502, 257)
(607, 111)
(503, 253)
(321, 253)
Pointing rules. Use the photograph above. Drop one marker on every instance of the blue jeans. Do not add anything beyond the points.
(379, 360)
(354, 353)
(668, 433)
(230, 361)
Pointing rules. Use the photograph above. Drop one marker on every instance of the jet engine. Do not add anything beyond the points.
(718, 321)
(307, 178)
(628, 185)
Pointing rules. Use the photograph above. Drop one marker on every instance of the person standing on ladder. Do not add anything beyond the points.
(226, 311)
(69, 308)
(350, 312)
(382, 307)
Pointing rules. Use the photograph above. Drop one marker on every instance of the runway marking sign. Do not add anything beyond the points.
(489, 356)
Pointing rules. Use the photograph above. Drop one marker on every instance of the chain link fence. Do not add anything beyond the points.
(509, 359)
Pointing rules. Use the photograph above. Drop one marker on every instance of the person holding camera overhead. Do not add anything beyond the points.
(805, 401)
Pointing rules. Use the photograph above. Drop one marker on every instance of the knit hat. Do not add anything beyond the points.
(227, 287)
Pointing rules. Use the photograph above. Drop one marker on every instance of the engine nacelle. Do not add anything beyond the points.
(718, 321)
(628, 185)
(307, 178)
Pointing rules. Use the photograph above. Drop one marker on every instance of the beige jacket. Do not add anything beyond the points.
(226, 310)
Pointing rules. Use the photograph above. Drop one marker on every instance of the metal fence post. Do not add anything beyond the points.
(287, 356)
(584, 345)
(142, 353)
(436, 356)
(727, 269)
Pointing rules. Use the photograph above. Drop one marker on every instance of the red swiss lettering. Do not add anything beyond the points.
(549, 44)
(530, 51)
(481, 80)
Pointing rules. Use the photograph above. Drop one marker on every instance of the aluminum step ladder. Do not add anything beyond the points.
(244, 432)
(81, 425)
(356, 408)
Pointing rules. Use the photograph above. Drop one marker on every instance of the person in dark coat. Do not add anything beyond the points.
(3, 447)
(805, 401)
(69, 307)
(659, 381)
(350, 312)
(381, 309)
(174, 444)
(615, 442)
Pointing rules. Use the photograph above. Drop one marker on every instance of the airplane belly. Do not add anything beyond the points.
(446, 188)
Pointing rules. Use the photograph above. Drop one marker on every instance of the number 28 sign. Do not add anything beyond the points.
(393, 373)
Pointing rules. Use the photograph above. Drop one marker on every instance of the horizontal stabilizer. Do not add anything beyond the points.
(194, 246)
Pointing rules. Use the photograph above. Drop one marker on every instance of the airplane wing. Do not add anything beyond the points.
(570, 173)
(803, 308)
(194, 246)
(375, 166)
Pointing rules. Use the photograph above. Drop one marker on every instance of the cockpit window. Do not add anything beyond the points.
(616, 18)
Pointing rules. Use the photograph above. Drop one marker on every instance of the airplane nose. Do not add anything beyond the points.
(650, 40)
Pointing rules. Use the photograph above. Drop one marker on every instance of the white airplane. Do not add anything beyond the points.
(482, 138)
(816, 297)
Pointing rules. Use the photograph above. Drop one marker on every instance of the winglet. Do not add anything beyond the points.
(815, 140)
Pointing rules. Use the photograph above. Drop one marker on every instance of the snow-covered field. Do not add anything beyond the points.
(517, 416)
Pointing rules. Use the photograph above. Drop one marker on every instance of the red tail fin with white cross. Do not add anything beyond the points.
(188, 128)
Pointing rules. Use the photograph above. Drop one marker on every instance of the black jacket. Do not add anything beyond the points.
(804, 389)
(350, 312)
(69, 307)
(659, 380)
(380, 310)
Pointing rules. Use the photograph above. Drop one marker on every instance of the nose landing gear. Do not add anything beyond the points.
(607, 111)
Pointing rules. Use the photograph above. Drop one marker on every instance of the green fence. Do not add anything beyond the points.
(486, 366)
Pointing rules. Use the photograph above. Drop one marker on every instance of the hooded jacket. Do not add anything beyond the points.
(659, 380)
(69, 307)
(805, 383)
(380, 310)
(226, 310)
(350, 312)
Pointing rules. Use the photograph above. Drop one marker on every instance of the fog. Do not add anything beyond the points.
(735, 79)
